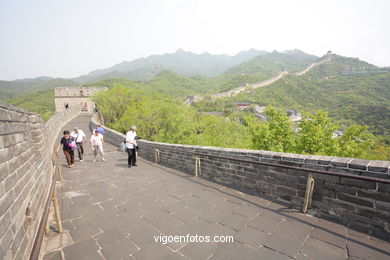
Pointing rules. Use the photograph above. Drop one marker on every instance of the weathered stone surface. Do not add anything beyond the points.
(330, 232)
(155, 251)
(56, 255)
(288, 237)
(199, 251)
(5, 221)
(24, 180)
(17, 241)
(264, 224)
(3, 171)
(358, 164)
(317, 249)
(203, 203)
(267, 253)
(362, 201)
(236, 251)
(374, 249)
(5, 244)
(251, 237)
(86, 249)
(379, 166)
(84, 232)
(119, 249)
(326, 160)
(247, 211)
(6, 202)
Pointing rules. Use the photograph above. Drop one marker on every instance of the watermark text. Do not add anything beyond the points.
(164, 239)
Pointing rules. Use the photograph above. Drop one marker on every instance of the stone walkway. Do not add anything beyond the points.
(112, 212)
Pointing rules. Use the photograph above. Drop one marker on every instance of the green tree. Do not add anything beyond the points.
(112, 104)
(162, 118)
(314, 135)
(277, 134)
(355, 142)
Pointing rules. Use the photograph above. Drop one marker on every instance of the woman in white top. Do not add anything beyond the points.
(97, 144)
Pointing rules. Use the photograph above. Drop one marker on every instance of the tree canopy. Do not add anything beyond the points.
(162, 118)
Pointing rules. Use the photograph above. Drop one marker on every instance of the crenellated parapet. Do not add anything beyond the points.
(26, 147)
(76, 97)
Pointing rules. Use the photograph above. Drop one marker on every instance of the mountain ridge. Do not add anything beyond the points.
(182, 62)
(253, 66)
(351, 90)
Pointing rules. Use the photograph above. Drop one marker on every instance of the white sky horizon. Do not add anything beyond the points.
(72, 38)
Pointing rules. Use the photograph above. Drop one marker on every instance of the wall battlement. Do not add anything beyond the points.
(26, 146)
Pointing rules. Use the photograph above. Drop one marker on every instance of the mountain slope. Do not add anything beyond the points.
(143, 69)
(166, 82)
(171, 83)
(181, 62)
(10, 89)
(273, 62)
(262, 68)
(349, 89)
(247, 66)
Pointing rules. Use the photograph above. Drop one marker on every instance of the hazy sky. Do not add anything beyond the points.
(73, 37)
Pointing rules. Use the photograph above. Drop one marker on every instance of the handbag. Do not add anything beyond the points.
(72, 144)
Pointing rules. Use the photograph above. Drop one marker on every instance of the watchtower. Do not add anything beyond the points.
(66, 97)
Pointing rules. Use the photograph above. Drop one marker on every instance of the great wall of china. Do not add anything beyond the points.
(353, 192)
(267, 82)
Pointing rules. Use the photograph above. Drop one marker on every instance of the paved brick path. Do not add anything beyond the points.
(112, 212)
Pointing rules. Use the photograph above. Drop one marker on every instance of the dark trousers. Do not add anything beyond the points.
(132, 159)
(69, 155)
(80, 150)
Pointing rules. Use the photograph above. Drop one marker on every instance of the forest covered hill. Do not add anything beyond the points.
(184, 63)
(350, 90)
(162, 118)
(10, 89)
(200, 67)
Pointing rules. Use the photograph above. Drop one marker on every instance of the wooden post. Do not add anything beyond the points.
(197, 166)
(58, 168)
(157, 156)
(57, 212)
(309, 192)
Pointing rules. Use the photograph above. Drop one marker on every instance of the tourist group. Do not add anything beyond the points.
(75, 141)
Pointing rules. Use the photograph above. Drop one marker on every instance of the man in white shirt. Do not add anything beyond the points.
(80, 138)
(97, 144)
(131, 145)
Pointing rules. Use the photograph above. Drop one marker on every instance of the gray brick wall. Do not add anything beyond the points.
(25, 175)
(364, 205)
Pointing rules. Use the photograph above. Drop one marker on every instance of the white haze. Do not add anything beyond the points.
(73, 37)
